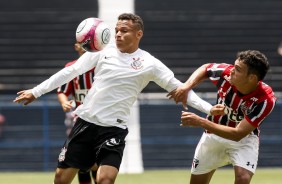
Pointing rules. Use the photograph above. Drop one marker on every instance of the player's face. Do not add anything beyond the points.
(127, 36)
(239, 75)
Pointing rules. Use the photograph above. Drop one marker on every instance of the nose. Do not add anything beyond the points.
(232, 70)
(118, 33)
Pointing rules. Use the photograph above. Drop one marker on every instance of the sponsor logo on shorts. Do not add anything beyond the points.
(62, 154)
(195, 163)
(112, 142)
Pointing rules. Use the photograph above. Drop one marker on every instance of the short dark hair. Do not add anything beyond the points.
(135, 19)
(256, 61)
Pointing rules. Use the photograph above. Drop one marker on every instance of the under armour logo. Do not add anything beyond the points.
(249, 164)
(195, 163)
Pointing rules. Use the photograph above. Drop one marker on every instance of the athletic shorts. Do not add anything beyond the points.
(88, 144)
(213, 152)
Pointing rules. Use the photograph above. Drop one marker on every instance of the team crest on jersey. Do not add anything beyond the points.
(246, 107)
(137, 63)
(62, 154)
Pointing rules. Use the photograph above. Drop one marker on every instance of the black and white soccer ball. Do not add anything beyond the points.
(93, 34)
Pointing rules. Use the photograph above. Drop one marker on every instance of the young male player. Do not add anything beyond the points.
(232, 138)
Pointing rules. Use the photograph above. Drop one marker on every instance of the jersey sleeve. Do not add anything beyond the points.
(215, 71)
(164, 77)
(261, 111)
(68, 87)
(196, 102)
(86, 62)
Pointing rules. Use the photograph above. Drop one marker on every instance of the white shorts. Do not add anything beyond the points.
(213, 152)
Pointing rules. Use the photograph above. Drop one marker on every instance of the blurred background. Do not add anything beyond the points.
(36, 40)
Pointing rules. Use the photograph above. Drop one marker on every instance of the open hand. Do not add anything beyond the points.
(24, 97)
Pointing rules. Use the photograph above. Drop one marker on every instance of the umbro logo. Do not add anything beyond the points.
(112, 142)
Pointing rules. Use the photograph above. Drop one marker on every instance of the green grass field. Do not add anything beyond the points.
(222, 176)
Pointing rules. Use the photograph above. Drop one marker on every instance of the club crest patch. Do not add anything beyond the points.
(62, 154)
(137, 64)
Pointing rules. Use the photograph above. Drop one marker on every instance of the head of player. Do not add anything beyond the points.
(250, 67)
(128, 32)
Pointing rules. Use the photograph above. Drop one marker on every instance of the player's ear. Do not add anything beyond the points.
(139, 34)
(253, 77)
(76, 46)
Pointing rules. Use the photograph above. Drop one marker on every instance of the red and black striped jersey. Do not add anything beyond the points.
(254, 107)
(79, 86)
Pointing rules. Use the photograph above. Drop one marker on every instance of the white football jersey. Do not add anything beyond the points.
(119, 79)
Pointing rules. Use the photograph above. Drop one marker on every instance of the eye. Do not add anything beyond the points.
(237, 69)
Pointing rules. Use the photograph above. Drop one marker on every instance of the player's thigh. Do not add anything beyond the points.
(245, 153)
(209, 155)
(64, 175)
(106, 174)
(242, 175)
(202, 178)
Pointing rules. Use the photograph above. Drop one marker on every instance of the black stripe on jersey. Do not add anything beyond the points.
(258, 111)
(81, 82)
(214, 73)
(220, 81)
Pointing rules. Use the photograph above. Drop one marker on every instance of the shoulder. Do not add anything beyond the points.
(149, 58)
(264, 96)
(267, 91)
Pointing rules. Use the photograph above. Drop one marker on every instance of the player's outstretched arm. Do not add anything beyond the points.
(24, 97)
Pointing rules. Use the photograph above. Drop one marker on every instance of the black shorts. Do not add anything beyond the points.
(88, 144)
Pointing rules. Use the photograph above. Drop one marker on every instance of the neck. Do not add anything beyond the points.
(249, 89)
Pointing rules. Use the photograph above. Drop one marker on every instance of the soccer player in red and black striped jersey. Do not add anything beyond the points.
(77, 88)
(232, 138)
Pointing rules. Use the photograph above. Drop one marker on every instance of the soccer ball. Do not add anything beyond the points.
(93, 34)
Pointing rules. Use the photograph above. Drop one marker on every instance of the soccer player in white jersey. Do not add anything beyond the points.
(121, 72)
(232, 138)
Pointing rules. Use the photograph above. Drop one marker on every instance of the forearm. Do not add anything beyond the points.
(220, 130)
(196, 102)
(62, 98)
(196, 77)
